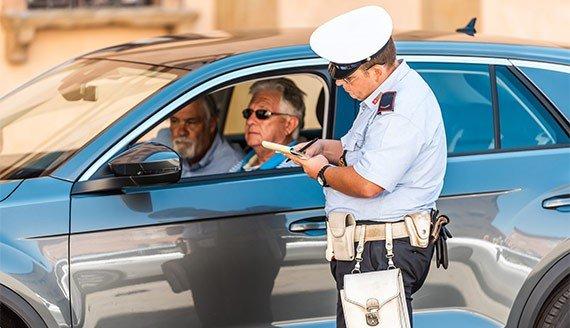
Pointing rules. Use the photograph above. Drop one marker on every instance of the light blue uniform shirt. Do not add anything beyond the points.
(218, 159)
(403, 151)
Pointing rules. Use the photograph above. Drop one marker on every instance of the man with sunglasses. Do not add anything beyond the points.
(391, 163)
(275, 113)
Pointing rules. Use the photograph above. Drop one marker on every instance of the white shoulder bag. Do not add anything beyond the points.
(375, 299)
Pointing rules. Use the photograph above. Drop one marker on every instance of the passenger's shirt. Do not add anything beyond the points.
(276, 161)
(403, 151)
(218, 159)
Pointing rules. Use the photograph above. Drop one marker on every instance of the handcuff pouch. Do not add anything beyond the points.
(418, 226)
(340, 236)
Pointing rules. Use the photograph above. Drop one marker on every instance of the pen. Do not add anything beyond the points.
(305, 147)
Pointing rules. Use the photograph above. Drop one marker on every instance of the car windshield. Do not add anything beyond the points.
(46, 121)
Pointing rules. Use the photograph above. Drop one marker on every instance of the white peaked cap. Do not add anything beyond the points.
(353, 36)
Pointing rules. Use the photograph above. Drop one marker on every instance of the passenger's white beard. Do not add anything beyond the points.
(185, 147)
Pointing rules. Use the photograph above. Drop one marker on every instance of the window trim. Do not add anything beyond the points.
(509, 150)
(495, 104)
(194, 92)
(541, 65)
(456, 59)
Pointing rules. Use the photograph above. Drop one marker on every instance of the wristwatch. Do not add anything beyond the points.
(321, 176)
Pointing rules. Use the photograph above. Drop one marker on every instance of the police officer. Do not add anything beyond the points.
(392, 161)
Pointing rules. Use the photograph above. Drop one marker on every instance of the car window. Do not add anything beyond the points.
(524, 121)
(220, 142)
(554, 85)
(463, 92)
(46, 121)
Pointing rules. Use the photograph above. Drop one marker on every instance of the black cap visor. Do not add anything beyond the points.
(340, 71)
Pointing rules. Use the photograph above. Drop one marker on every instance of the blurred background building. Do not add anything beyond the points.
(38, 34)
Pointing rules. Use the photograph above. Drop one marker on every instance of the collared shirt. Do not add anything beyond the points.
(403, 151)
(218, 159)
(276, 161)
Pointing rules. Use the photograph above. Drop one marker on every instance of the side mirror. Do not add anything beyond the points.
(144, 164)
(147, 163)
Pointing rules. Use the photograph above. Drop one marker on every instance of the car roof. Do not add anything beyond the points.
(190, 51)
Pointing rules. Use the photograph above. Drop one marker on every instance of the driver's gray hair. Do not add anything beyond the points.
(292, 101)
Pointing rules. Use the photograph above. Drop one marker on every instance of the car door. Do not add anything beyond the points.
(508, 154)
(224, 250)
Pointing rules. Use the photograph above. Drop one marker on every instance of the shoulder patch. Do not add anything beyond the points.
(386, 103)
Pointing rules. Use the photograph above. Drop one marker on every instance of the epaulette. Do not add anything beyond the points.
(386, 103)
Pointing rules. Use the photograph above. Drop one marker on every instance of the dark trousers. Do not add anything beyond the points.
(413, 261)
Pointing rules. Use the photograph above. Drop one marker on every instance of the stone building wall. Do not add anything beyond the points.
(55, 42)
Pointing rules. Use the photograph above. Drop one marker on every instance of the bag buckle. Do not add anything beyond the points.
(372, 308)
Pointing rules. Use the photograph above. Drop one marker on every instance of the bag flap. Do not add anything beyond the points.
(381, 285)
(337, 222)
(422, 223)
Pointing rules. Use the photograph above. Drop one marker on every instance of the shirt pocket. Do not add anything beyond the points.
(355, 142)
(353, 148)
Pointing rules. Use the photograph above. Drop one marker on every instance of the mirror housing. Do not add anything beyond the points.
(147, 159)
(144, 164)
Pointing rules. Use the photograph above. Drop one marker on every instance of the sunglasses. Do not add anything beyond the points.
(353, 75)
(350, 78)
(261, 114)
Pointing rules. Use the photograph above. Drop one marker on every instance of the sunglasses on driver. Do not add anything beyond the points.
(260, 114)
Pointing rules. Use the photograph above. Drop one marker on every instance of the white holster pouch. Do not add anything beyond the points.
(375, 299)
(419, 228)
(340, 236)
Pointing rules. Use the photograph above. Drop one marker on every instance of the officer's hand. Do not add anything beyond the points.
(312, 165)
(313, 150)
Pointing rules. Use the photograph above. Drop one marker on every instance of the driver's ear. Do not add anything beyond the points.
(292, 124)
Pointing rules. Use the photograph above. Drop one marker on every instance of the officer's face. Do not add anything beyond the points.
(276, 128)
(192, 132)
(360, 84)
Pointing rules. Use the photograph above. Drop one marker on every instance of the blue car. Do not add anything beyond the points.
(89, 239)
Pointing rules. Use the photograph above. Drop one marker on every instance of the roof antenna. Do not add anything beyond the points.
(469, 29)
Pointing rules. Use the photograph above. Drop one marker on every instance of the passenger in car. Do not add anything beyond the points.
(275, 113)
(194, 135)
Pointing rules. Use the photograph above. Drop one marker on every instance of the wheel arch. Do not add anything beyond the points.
(20, 307)
(540, 283)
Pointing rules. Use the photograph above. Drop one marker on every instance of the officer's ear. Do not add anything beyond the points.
(377, 72)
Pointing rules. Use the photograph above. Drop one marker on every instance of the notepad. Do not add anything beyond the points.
(282, 149)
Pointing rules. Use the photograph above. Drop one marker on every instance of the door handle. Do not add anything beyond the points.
(316, 223)
(554, 203)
